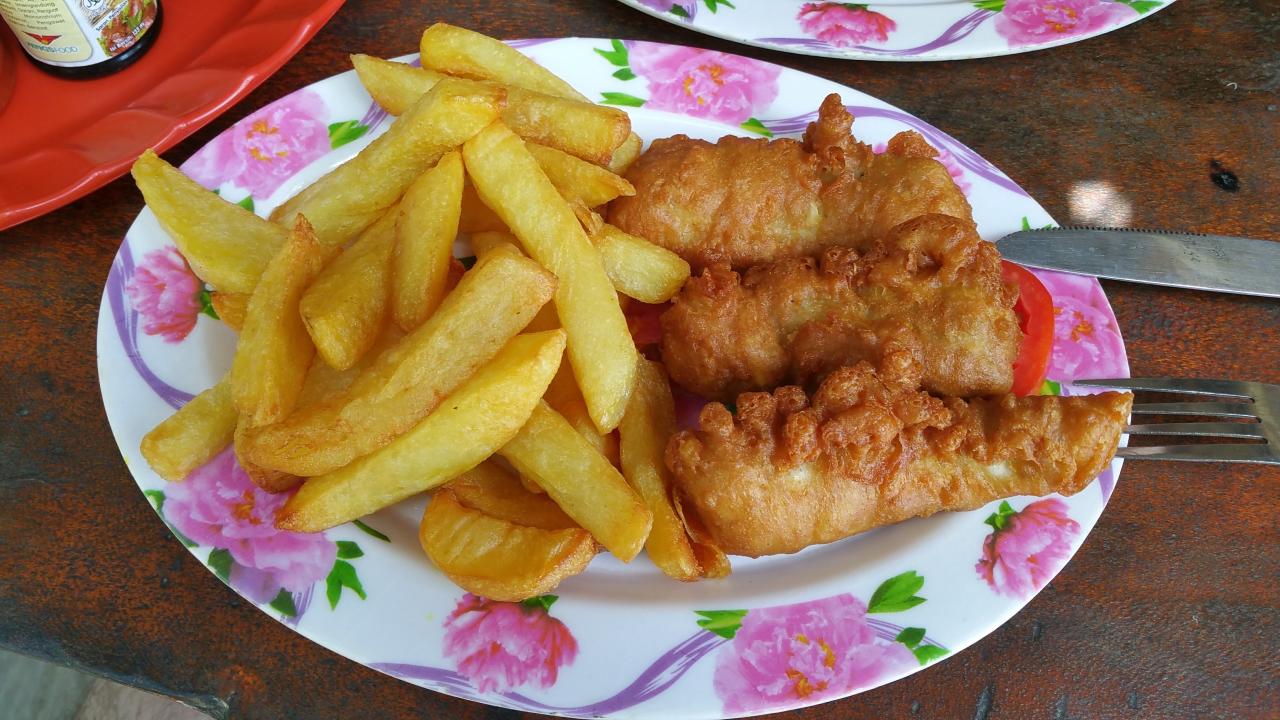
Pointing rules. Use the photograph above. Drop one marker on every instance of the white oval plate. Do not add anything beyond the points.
(902, 29)
(619, 641)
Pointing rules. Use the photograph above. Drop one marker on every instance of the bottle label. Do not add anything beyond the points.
(73, 33)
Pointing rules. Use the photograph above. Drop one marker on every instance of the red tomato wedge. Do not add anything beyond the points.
(1035, 316)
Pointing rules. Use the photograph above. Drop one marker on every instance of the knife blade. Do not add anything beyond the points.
(1187, 260)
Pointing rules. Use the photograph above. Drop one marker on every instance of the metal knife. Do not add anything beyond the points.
(1187, 260)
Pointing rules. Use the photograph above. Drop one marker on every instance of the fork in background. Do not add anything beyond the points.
(1258, 402)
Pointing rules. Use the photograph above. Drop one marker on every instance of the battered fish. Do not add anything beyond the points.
(872, 450)
(932, 289)
(747, 201)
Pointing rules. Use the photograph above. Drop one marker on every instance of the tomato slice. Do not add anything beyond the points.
(1035, 317)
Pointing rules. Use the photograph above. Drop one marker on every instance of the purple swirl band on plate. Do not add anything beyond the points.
(957, 32)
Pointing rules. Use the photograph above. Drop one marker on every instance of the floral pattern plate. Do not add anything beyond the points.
(902, 29)
(619, 640)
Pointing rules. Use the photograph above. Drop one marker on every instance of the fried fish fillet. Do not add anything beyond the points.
(931, 288)
(745, 201)
(870, 450)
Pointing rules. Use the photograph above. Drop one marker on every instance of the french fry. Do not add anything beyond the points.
(496, 558)
(457, 51)
(650, 421)
(226, 245)
(274, 350)
(564, 397)
(715, 564)
(638, 268)
(492, 302)
(583, 129)
(356, 193)
(475, 216)
(323, 382)
(425, 230)
(230, 307)
(497, 493)
(345, 308)
(582, 481)
(486, 240)
(601, 351)
(193, 435)
(626, 154)
(265, 478)
(578, 180)
(485, 412)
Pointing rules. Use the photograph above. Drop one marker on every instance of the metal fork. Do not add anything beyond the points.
(1258, 402)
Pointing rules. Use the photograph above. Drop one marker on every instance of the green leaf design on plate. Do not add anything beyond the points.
(220, 562)
(911, 636)
(617, 56)
(896, 594)
(1050, 387)
(1000, 517)
(1142, 6)
(992, 5)
(678, 11)
(714, 5)
(928, 653)
(206, 303)
(1026, 225)
(348, 550)
(542, 601)
(617, 98)
(756, 126)
(247, 203)
(724, 623)
(343, 575)
(625, 74)
(341, 133)
(283, 604)
(368, 530)
(157, 502)
(467, 262)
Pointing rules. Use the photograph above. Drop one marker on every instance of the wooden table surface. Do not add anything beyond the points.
(1170, 610)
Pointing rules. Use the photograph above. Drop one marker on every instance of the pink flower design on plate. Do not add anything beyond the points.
(166, 293)
(499, 646)
(807, 652)
(218, 505)
(1031, 22)
(844, 24)
(266, 148)
(1086, 341)
(704, 83)
(1025, 549)
(954, 169)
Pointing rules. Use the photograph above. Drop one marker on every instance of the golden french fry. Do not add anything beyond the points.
(564, 397)
(356, 193)
(486, 240)
(715, 564)
(425, 231)
(582, 129)
(226, 245)
(230, 307)
(496, 558)
(265, 478)
(601, 350)
(578, 180)
(485, 412)
(650, 421)
(475, 216)
(492, 302)
(638, 268)
(323, 382)
(193, 435)
(497, 493)
(626, 154)
(274, 349)
(457, 51)
(582, 481)
(345, 308)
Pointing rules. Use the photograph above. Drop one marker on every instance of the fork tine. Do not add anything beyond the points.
(1190, 386)
(1211, 409)
(1203, 429)
(1252, 453)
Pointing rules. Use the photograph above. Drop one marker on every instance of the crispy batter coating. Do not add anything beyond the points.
(870, 450)
(745, 201)
(932, 289)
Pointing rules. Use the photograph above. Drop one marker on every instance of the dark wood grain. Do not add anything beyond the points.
(1170, 610)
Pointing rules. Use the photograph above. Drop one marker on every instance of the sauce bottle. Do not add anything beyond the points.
(83, 38)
